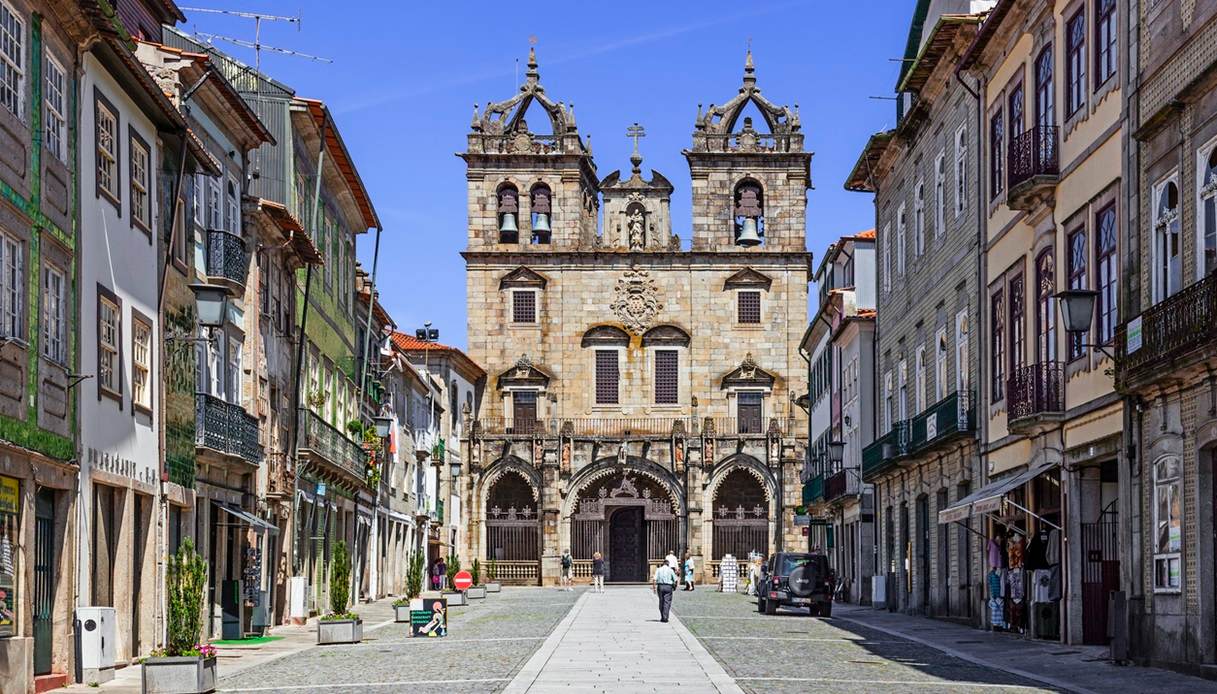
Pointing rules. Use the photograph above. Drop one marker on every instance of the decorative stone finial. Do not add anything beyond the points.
(532, 73)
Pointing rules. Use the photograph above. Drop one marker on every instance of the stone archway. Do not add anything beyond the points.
(740, 515)
(632, 515)
(510, 511)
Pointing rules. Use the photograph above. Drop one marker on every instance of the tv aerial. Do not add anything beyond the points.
(256, 43)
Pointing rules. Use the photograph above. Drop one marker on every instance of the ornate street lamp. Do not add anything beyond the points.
(836, 452)
(454, 467)
(384, 426)
(211, 304)
(1077, 313)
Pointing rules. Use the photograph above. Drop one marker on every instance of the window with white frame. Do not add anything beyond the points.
(900, 229)
(940, 194)
(141, 363)
(53, 325)
(1206, 230)
(961, 356)
(106, 126)
(919, 362)
(12, 60)
(887, 258)
(12, 283)
(55, 122)
(141, 206)
(919, 219)
(961, 168)
(523, 306)
(1168, 524)
(1167, 253)
(198, 196)
(940, 364)
(215, 210)
(232, 380)
(902, 411)
(109, 325)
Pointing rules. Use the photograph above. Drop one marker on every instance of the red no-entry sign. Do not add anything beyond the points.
(462, 580)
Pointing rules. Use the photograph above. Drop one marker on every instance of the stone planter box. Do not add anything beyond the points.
(401, 613)
(455, 598)
(179, 675)
(476, 592)
(339, 631)
(493, 587)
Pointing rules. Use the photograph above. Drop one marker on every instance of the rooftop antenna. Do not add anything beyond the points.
(256, 44)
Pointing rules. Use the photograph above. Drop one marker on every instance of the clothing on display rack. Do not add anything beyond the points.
(995, 554)
(1041, 590)
(1014, 548)
(1052, 552)
(1014, 584)
(1034, 558)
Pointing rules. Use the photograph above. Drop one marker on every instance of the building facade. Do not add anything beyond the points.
(639, 396)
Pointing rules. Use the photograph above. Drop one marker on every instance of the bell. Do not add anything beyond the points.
(507, 223)
(747, 235)
(542, 223)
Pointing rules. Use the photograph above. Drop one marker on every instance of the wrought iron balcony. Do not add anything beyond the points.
(324, 443)
(280, 477)
(1034, 167)
(813, 490)
(227, 260)
(1169, 337)
(840, 484)
(886, 451)
(226, 427)
(1035, 395)
(942, 421)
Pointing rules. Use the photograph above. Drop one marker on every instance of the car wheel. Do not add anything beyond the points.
(825, 609)
(771, 607)
(760, 605)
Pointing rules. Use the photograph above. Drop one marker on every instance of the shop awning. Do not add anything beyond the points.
(989, 498)
(401, 518)
(250, 519)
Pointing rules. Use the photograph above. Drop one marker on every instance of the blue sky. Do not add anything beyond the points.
(405, 77)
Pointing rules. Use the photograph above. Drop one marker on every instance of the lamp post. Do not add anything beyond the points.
(1077, 313)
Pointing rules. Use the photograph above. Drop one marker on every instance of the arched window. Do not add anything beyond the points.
(1045, 284)
(1167, 253)
(1206, 259)
(749, 214)
(540, 206)
(509, 208)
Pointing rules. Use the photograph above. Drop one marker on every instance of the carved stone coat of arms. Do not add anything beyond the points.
(636, 300)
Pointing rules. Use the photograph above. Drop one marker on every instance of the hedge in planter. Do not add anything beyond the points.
(340, 626)
(184, 665)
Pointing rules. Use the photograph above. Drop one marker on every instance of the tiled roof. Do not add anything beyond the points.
(868, 234)
(409, 343)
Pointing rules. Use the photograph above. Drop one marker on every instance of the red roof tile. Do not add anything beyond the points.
(868, 234)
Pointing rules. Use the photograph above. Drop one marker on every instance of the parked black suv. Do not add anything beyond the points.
(795, 579)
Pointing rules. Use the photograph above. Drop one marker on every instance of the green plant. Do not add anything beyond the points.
(401, 602)
(355, 428)
(454, 566)
(185, 581)
(339, 616)
(492, 570)
(340, 580)
(414, 575)
(476, 572)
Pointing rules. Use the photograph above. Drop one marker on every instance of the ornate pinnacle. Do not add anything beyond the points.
(476, 121)
(749, 69)
(532, 73)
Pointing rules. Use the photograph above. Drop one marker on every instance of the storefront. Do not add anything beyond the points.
(1018, 519)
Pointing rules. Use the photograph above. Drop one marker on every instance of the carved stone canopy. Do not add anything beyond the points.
(605, 336)
(748, 279)
(523, 373)
(665, 336)
(748, 374)
(523, 277)
(636, 300)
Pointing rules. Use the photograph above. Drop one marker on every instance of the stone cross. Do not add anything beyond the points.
(635, 131)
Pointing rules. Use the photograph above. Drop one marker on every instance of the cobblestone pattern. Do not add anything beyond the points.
(487, 641)
(792, 652)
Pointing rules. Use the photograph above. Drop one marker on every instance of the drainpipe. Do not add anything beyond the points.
(373, 531)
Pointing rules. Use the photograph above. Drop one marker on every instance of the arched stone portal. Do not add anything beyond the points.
(628, 516)
(513, 525)
(740, 515)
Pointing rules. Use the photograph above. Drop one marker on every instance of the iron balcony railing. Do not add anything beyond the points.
(841, 483)
(226, 427)
(227, 257)
(1034, 153)
(886, 450)
(329, 444)
(1035, 389)
(813, 491)
(636, 426)
(945, 418)
(1156, 342)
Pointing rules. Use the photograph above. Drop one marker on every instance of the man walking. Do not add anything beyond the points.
(568, 570)
(665, 585)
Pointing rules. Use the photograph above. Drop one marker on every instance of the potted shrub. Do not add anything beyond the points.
(455, 597)
(414, 586)
(492, 585)
(340, 626)
(477, 591)
(184, 665)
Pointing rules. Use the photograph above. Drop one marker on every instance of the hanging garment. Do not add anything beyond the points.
(1054, 578)
(997, 615)
(995, 584)
(6, 557)
(1014, 584)
(1014, 548)
(1052, 553)
(1041, 586)
(994, 554)
(1016, 614)
(1033, 558)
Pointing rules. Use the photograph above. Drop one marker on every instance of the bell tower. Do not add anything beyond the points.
(529, 190)
(749, 179)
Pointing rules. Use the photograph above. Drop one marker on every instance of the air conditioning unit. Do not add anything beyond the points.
(97, 641)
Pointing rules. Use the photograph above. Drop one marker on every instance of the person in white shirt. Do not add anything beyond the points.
(664, 586)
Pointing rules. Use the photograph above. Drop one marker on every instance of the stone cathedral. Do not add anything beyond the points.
(640, 397)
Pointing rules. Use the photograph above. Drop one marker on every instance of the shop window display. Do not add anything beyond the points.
(9, 504)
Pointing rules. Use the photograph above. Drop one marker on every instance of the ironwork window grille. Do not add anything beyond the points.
(524, 306)
(1045, 282)
(1106, 40)
(607, 377)
(1075, 62)
(53, 327)
(1077, 280)
(997, 157)
(1106, 272)
(12, 60)
(998, 347)
(748, 307)
(748, 412)
(1018, 326)
(141, 363)
(108, 326)
(12, 282)
(667, 376)
(107, 150)
(56, 107)
(141, 209)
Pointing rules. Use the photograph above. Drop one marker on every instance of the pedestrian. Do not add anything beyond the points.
(664, 586)
(598, 572)
(568, 570)
(688, 567)
(441, 574)
(673, 562)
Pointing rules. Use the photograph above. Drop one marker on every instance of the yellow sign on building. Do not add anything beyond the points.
(10, 495)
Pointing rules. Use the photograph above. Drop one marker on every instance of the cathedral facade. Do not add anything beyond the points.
(641, 395)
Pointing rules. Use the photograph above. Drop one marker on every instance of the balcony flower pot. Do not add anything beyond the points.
(187, 674)
(455, 598)
(347, 630)
(476, 592)
(494, 587)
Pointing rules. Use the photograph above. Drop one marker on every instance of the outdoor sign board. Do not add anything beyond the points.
(462, 580)
(432, 620)
(1133, 333)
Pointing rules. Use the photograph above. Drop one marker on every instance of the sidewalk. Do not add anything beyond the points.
(233, 660)
(1082, 669)
(614, 642)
